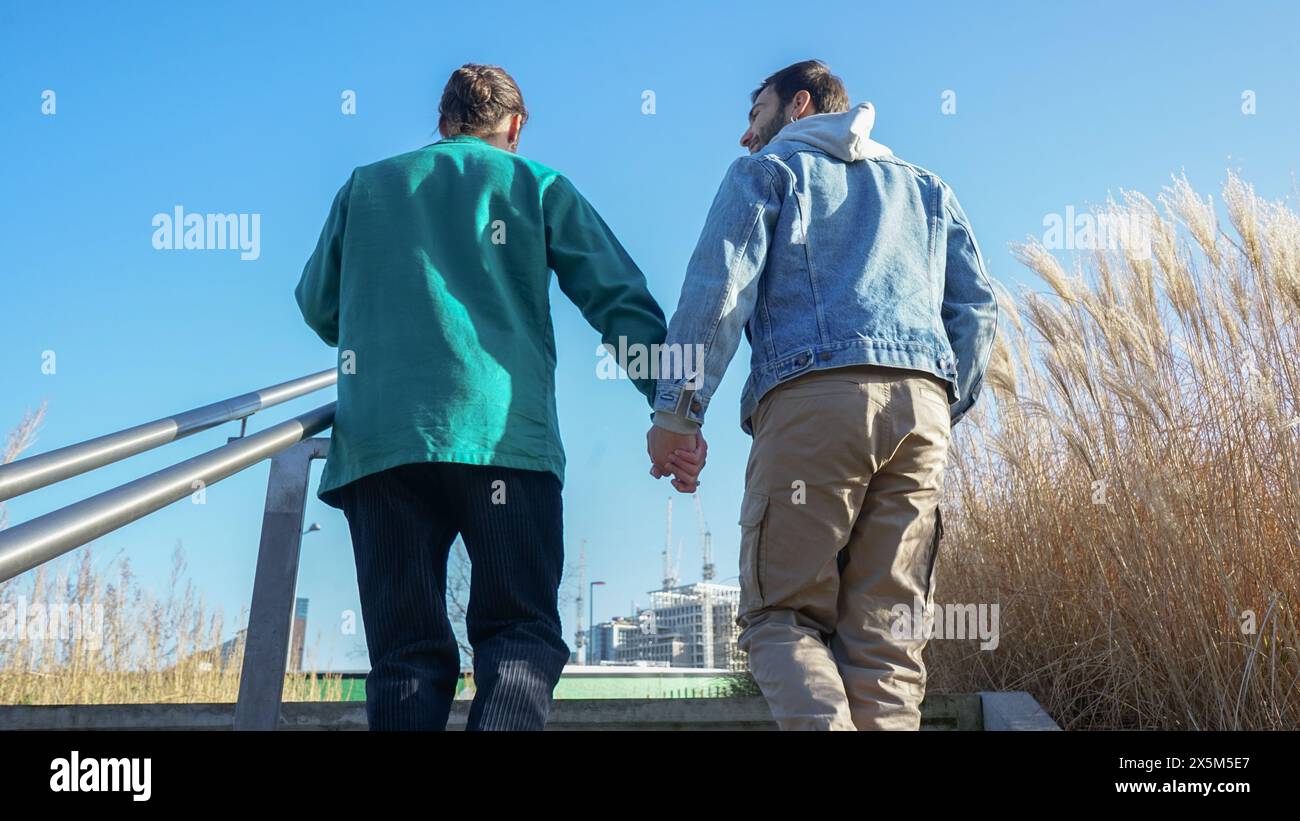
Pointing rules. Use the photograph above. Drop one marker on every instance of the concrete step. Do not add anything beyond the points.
(940, 711)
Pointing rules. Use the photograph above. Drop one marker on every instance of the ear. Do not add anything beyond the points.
(512, 132)
(801, 104)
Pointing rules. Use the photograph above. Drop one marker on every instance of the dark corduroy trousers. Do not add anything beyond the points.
(403, 522)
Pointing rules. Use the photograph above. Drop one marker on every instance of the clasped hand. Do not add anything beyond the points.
(679, 455)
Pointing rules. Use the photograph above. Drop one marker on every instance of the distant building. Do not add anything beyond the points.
(690, 626)
(608, 637)
(234, 646)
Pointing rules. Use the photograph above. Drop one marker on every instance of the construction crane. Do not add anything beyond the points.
(580, 636)
(706, 597)
(677, 565)
(670, 573)
(706, 540)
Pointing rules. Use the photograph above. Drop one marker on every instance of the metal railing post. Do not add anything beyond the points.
(270, 617)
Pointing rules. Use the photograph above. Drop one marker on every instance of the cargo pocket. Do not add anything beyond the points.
(753, 508)
(934, 555)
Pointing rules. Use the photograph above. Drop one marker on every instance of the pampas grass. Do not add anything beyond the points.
(1128, 489)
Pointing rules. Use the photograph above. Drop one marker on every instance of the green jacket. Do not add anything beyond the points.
(432, 277)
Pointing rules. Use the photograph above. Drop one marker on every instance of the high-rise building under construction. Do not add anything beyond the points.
(691, 625)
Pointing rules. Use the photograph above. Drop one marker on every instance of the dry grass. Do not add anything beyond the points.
(1129, 491)
(20, 439)
(71, 633)
(118, 643)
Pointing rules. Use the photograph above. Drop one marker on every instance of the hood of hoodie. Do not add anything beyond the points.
(845, 136)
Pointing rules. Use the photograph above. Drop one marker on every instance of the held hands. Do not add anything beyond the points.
(677, 454)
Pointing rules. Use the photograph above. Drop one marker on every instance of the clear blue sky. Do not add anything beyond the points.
(236, 108)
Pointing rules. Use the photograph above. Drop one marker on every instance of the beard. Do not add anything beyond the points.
(765, 131)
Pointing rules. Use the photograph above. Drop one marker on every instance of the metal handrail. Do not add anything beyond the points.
(291, 448)
(35, 542)
(25, 475)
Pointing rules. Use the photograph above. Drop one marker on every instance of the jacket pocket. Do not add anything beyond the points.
(753, 510)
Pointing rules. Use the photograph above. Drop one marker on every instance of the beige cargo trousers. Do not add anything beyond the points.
(839, 527)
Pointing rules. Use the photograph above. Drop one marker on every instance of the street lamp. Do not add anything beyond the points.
(315, 526)
(591, 618)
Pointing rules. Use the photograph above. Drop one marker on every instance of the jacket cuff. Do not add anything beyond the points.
(676, 424)
(680, 400)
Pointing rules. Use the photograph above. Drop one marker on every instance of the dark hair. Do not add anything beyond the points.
(813, 76)
(476, 99)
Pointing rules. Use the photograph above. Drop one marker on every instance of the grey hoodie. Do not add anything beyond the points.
(845, 136)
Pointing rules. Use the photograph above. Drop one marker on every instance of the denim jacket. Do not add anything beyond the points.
(828, 251)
